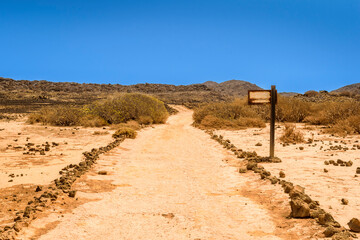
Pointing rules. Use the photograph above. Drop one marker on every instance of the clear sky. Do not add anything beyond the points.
(296, 44)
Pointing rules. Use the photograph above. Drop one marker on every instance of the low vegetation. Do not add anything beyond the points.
(122, 108)
(342, 117)
(291, 135)
(125, 132)
(235, 115)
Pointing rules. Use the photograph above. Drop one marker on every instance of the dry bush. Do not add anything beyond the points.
(250, 122)
(117, 109)
(130, 124)
(125, 132)
(233, 115)
(210, 121)
(351, 125)
(92, 121)
(311, 93)
(145, 120)
(100, 133)
(57, 116)
(291, 109)
(330, 113)
(291, 135)
(130, 106)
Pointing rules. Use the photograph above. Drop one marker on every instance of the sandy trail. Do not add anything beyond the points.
(172, 183)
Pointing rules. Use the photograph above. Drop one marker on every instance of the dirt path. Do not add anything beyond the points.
(172, 183)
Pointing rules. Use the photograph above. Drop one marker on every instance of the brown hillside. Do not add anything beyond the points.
(236, 88)
(352, 88)
(18, 96)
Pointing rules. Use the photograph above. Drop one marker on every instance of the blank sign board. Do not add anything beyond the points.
(259, 96)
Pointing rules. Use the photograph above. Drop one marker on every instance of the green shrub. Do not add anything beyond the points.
(125, 132)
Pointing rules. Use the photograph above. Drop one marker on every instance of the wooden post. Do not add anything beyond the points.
(272, 120)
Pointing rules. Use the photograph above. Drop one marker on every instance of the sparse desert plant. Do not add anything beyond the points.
(291, 109)
(100, 133)
(291, 135)
(234, 115)
(92, 121)
(330, 113)
(351, 125)
(130, 106)
(57, 116)
(130, 124)
(210, 121)
(114, 110)
(311, 93)
(125, 132)
(145, 120)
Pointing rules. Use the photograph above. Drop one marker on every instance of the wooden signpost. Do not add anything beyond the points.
(266, 97)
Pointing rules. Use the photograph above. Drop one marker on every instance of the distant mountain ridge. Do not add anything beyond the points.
(352, 88)
(235, 88)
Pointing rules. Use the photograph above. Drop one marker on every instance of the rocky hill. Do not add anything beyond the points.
(236, 88)
(17, 96)
(352, 88)
(8, 84)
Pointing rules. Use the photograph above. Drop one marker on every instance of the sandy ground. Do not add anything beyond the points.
(306, 167)
(42, 169)
(173, 182)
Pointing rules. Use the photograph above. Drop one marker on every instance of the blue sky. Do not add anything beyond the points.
(296, 44)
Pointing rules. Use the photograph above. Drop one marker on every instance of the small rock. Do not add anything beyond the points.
(251, 165)
(325, 170)
(16, 227)
(258, 144)
(344, 201)
(358, 170)
(168, 215)
(281, 174)
(38, 189)
(329, 231)
(342, 236)
(354, 225)
(242, 170)
(301, 148)
(102, 172)
(72, 193)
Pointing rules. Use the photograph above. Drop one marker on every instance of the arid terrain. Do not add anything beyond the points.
(171, 182)
(306, 164)
(181, 178)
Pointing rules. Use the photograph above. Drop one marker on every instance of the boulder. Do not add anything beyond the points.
(354, 225)
(299, 209)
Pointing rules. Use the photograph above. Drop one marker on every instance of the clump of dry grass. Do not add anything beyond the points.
(235, 115)
(292, 110)
(117, 109)
(291, 135)
(125, 132)
(130, 106)
(57, 116)
(350, 125)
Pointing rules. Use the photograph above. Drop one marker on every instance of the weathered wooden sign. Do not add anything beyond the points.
(260, 97)
(266, 97)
